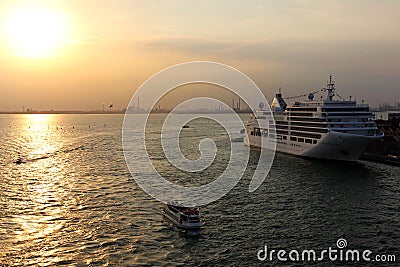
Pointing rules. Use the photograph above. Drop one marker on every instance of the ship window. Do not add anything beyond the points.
(316, 136)
(315, 130)
(314, 141)
(252, 133)
(300, 140)
(308, 141)
(284, 137)
(293, 138)
(282, 132)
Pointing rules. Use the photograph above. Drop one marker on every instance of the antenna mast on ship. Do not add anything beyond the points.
(331, 89)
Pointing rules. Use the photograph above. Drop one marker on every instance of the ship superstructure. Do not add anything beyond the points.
(329, 128)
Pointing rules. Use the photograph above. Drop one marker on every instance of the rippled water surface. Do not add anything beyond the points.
(67, 197)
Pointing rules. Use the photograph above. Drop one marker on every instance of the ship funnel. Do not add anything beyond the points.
(278, 104)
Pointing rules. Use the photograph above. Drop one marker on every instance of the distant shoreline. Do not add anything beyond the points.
(112, 112)
(63, 112)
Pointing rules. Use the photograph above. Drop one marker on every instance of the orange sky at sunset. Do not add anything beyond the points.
(76, 55)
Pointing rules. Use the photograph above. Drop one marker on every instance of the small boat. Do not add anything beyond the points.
(186, 218)
(19, 161)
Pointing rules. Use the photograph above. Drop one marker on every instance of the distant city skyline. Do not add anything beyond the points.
(77, 55)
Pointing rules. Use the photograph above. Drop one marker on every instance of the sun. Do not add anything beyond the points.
(35, 31)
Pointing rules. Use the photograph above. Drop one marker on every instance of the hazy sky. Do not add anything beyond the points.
(109, 48)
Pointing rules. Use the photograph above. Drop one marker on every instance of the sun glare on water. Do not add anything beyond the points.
(35, 31)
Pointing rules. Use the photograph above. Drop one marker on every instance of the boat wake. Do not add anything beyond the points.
(24, 160)
(192, 233)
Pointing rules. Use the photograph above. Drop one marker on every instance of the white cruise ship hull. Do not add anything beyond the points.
(333, 145)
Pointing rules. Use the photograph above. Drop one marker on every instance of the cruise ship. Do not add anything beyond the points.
(328, 128)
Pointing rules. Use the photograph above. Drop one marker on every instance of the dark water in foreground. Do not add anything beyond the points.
(72, 201)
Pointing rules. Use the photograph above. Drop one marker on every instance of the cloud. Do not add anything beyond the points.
(344, 53)
(189, 44)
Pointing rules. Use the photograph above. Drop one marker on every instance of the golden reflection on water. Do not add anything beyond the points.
(41, 221)
(42, 181)
(60, 190)
(41, 134)
(37, 123)
(39, 118)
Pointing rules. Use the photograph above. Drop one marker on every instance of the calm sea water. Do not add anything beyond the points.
(72, 200)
